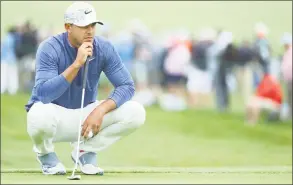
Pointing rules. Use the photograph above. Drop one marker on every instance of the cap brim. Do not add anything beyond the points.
(99, 22)
(86, 24)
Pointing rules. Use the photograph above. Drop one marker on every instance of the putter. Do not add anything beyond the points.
(73, 176)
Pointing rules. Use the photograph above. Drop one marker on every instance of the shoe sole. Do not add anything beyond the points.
(58, 173)
(46, 173)
(79, 164)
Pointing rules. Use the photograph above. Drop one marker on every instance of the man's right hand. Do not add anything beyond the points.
(85, 50)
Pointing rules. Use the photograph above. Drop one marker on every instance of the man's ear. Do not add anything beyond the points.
(68, 27)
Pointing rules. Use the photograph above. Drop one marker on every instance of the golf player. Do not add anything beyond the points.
(53, 111)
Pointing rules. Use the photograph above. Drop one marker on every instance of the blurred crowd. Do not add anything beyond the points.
(177, 70)
(18, 49)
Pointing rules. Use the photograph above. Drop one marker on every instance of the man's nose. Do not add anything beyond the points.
(91, 29)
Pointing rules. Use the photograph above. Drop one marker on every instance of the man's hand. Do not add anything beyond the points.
(85, 50)
(92, 123)
(94, 120)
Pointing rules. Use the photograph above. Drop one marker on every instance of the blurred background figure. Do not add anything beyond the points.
(44, 33)
(106, 32)
(9, 72)
(125, 47)
(26, 47)
(224, 51)
(175, 66)
(142, 56)
(199, 76)
(268, 97)
(287, 69)
(243, 70)
(263, 52)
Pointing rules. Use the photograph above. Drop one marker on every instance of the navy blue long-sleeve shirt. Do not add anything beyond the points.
(55, 55)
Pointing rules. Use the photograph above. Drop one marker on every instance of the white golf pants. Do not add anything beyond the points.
(50, 123)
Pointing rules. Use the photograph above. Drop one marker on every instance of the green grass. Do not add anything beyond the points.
(172, 178)
(187, 139)
(193, 138)
(238, 17)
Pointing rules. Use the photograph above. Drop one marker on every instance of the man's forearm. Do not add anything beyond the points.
(55, 87)
(105, 107)
(51, 89)
(71, 72)
(122, 94)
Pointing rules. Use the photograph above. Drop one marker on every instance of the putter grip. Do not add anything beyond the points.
(85, 73)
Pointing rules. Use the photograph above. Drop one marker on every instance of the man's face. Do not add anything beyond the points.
(80, 35)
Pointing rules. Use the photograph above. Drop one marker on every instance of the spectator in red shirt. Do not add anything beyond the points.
(268, 96)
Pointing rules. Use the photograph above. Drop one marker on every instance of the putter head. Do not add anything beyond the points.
(74, 177)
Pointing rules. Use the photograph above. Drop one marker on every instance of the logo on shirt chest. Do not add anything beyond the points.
(90, 59)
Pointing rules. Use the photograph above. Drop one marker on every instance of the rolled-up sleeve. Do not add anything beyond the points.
(118, 75)
(49, 85)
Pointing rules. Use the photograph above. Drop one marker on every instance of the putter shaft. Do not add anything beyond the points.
(81, 116)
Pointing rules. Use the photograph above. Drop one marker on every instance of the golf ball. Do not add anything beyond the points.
(90, 134)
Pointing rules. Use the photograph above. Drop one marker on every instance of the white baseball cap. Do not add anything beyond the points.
(81, 14)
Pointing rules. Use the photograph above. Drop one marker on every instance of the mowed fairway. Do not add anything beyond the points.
(172, 178)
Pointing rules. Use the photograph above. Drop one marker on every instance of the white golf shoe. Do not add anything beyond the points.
(51, 165)
(87, 162)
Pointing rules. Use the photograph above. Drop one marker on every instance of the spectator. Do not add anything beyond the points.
(225, 51)
(9, 72)
(268, 97)
(262, 51)
(243, 69)
(199, 78)
(44, 33)
(176, 61)
(287, 68)
(28, 41)
(141, 67)
(106, 32)
(125, 47)
(26, 47)
(142, 57)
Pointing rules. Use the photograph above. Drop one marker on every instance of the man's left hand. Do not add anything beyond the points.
(92, 123)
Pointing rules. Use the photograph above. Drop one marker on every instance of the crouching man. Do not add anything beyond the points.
(54, 107)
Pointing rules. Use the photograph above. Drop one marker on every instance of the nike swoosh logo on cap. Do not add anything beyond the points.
(87, 12)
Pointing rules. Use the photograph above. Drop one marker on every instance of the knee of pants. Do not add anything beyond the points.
(137, 114)
(40, 120)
